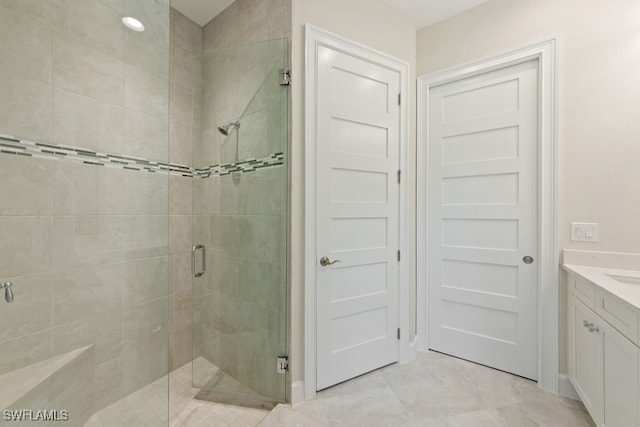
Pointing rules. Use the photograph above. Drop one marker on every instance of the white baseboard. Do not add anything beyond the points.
(297, 392)
(565, 388)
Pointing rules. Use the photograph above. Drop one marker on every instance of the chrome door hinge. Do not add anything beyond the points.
(399, 175)
(399, 99)
(285, 77)
(398, 255)
(282, 364)
(398, 333)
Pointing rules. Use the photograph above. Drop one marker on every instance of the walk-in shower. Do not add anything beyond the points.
(106, 157)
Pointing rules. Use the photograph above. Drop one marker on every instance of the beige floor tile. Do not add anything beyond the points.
(482, 418)
(434, 390)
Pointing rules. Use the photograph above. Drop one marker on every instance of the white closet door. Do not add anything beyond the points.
(483, 204)
(357, 202)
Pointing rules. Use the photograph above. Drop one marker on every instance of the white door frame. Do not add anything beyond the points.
(545, 53)
(315, 37)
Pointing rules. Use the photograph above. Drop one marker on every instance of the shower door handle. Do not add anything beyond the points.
(193, 260)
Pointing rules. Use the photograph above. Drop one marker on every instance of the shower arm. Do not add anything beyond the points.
(224, 128)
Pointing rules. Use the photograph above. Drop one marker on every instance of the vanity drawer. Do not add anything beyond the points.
(618, 313)
(584, 290)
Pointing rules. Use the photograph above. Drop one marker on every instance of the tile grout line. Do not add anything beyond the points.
(51, 223)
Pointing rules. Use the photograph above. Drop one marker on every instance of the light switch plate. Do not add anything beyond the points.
(585, 232)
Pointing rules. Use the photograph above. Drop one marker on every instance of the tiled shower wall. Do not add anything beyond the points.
(101, 255)
(240, 304)
(86, 246)
(184, 124)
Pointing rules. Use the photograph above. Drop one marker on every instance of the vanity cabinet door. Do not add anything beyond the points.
(621, 374)
(585, 364)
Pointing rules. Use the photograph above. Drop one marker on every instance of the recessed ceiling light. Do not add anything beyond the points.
(133, 23)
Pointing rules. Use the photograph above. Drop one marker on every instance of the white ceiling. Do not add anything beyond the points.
(200, 11)
(422, 12)
(427, 12)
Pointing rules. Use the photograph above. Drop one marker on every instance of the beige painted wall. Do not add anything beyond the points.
(372, 23)
(598, 114)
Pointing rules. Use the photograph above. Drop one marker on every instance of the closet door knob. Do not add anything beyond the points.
(325, 261)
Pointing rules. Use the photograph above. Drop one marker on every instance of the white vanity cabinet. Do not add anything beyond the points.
(585, 349)
(604, 356)
(620, 382)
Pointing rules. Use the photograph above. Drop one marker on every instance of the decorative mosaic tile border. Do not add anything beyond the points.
(248, 165)
(21, 147)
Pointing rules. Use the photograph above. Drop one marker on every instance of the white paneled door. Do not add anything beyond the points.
(483, 224)
(357, 213)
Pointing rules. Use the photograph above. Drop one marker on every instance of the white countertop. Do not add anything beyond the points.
(600, 276)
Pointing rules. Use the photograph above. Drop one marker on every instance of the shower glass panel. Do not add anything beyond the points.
(240, 216)
(84, 105)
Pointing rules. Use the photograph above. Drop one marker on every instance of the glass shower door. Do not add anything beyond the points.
(240, 217)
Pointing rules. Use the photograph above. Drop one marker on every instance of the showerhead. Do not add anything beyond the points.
(8, 292)
(225, 128)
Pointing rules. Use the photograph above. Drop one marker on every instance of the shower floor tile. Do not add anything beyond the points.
(148, 407)
(222, 388)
